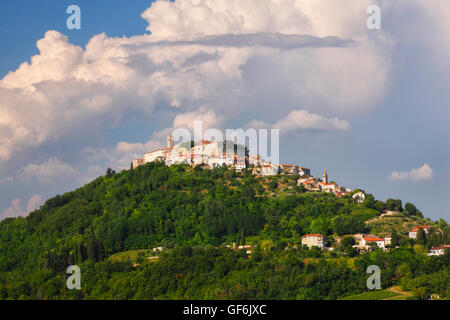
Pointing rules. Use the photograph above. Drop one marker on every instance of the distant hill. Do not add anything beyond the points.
(109, 227)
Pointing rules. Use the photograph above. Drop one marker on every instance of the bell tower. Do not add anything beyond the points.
(169, 142)
(325, 176)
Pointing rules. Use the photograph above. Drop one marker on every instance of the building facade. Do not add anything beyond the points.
(313, 240)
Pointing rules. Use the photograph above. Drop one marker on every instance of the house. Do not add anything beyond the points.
(289, 169)
(248, 249)
(328, 187)
(269, 169)
(413, 232)
(368, 241)
(359, 197)
(304, 172)
(313, 240)
(388, 240)
(310, 183)
(240, 164)
(438, 251)
(138, 163)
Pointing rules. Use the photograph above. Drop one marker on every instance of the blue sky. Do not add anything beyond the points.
(115, 101)
(23, 22)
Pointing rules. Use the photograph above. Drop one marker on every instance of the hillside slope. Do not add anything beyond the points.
(193, 211)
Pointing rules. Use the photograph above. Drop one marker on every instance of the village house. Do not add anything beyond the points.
(364, 242)
(367, 242)
(304, 172)
(315, 184)
(289, 169)
(413, 232)
(248, 248)
(313, 240)
(439, 251)
(388, 240)
(269, 169)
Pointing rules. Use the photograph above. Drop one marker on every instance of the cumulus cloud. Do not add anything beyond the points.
(16, 209)
(209, 119)
(49, 172)
(303, 120)
(423, 173)
(300, 120)
(269, 40)
(120, 156)
(229, 56)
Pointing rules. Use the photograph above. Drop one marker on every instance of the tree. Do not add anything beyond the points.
(421, 237)
(347, 244)
(273, 185)
(380, 206)
(92, 249)
(395, 240)
(369, 202)
(394, 205)
(110, 172)
(410, 209)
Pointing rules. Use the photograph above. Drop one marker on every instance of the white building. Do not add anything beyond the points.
(414, 232)
(269, 169)
(367, 241)
(313, 240)
(388, 240)
(328, 187)
(359, 197)
(438, 251)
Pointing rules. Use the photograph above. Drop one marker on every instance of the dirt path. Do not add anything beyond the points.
(398, 290)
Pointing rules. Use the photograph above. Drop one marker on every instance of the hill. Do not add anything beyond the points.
(110, 226)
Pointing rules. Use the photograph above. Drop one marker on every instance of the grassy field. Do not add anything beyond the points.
(131, 256)
(375, 295)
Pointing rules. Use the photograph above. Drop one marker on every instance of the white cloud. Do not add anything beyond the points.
(49, 172)
(303, 120)
(423, 173)
(16, 209)
(228, 56)
(300, 120)
(209, 120)
(120, 156)
(34, 203)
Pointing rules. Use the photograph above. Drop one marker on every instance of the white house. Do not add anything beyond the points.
(413, 232)
(438, 251)
(388, 240)
(359, 197)
(328, 187)
(367, 241)
(269, 169)
(313, 240)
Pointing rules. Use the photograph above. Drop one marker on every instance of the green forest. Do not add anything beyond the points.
(110, 226)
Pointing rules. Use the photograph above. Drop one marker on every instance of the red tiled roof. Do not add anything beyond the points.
(373, 239)
(420, 227)
(312, 235)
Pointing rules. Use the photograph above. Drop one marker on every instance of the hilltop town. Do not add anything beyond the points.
(210, 155)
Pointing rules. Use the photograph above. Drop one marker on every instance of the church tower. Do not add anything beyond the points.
(325, 176)
(169, 142)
